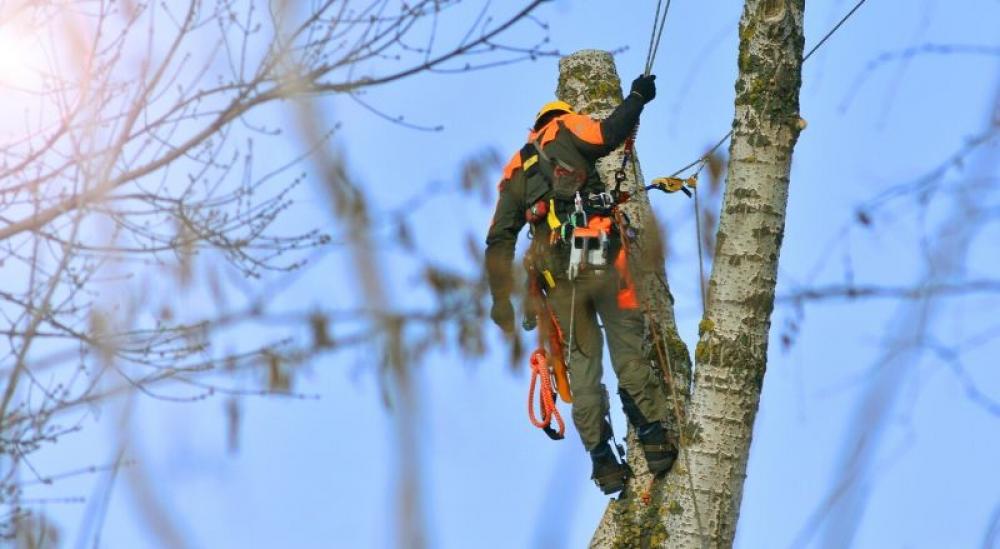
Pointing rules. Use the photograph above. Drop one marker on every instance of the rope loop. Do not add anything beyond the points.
(546, 397)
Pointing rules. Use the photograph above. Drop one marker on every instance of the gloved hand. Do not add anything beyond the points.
(645, 87)
(530, 320)
(502, 314)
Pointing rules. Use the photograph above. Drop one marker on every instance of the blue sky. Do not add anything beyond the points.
(319, 473)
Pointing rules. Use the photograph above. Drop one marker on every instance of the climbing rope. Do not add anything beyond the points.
(628, 155)
(659, 22)
(667, 367)
(664, 356)
(662, 349)
(701, 260)
(539, 361)
(546, 397)
(703, 159)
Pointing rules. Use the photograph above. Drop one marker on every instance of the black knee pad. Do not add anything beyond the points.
(632, 411)
(642, 392)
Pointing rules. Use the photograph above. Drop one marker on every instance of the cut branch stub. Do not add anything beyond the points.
(589, 81)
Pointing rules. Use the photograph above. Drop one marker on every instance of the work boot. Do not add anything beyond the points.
(660, 453)
(608, 473)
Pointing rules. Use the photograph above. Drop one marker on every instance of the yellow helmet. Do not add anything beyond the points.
(553, 106)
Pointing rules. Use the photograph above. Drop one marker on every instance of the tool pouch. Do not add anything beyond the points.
(566, 180)
(559, 175)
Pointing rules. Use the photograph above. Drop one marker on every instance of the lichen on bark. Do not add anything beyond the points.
(589, 81)
(732, 348)
(731, 356)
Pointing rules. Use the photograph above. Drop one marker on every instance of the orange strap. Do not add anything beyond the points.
(546, 397)
(558, 362)
(550, 332)
(627, 297)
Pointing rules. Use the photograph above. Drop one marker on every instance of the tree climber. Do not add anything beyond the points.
(577, 262)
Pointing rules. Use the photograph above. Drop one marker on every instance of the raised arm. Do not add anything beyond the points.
(598, 138)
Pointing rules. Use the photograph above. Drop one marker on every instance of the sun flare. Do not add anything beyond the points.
(19, 59)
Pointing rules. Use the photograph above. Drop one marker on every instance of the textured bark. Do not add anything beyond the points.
(589, 81)
(731, 353)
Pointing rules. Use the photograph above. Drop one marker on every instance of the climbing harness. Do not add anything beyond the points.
(590, 249)
(672, 184)
(590, 243)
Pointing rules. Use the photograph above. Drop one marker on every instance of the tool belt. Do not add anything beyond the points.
(562, 247)
(594, 204)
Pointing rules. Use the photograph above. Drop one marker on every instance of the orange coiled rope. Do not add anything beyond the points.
(546, 397)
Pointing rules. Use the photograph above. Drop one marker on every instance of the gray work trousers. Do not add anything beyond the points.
(639, 385)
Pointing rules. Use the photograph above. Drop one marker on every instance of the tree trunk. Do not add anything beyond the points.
(588, 81)
(732, 351)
